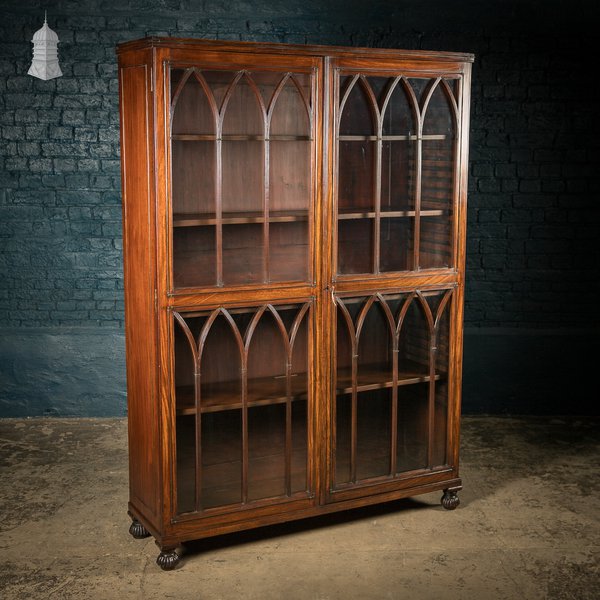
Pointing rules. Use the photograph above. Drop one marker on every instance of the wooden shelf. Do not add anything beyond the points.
(377, 377)
(227, 395)
(208, 137)
(237, 218)
(351, 214)
(389, 138)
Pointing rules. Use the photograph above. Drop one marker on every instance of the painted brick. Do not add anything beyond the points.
(533, 175)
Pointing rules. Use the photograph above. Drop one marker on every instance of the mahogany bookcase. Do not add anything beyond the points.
(294, 248)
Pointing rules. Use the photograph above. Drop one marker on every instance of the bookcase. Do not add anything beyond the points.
(294, 242)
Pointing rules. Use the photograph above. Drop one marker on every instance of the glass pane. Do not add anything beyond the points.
(435, 249)
(414, 343)
(266, 451)
(221, 431)
(380, 87)
(288, 251)
(193, 177)
(399, 117)
(437, 188)
(220, 428)
(269, 472)
(243, 151)
(375, 349)
(185, 443)
(243, 254)
(440, 431)
(343, 427)
(267, 359)
(221, 458)
(356, 176)
(355, 246)
(397, 244)
(194, 256)
(413, 401)
(358, 112)
(420, 87)
(300, 392)
(344, 349)
(299, 482)
(398, 175)
(243, 177)
(289, 177)
(192, 113)
(290, 115)
(373, 434)
(219, 82)
(439, 117)
(244, 115)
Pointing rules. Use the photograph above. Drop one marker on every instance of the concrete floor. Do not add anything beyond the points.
(528, 526)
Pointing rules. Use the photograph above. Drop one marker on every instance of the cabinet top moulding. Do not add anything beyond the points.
(279, 48)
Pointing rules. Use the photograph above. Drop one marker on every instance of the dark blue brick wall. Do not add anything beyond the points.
(534, 219)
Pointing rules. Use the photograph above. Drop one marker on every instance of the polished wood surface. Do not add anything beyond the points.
(294, 231)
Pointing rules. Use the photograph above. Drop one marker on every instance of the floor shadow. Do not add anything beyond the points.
(271, 532)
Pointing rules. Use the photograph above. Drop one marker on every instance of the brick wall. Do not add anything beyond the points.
(534, 222)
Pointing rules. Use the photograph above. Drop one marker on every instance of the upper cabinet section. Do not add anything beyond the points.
(396, 175)
(242, 157)
(288, 166)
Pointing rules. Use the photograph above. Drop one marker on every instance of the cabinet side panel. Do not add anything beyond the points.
(139, 273)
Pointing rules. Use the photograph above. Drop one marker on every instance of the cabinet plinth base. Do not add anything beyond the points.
(450, 499)
(138, 531)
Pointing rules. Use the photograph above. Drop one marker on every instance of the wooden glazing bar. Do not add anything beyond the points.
(198, 441)
(394, 410)
(266, 203)
(417, 223)
(354, 418)
(219, 209)
(288, 425)
(431, 400)
(377, 198)
(245, 456)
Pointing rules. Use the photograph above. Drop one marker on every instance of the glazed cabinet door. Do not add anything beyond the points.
(396, 147)
(242, 152)
(392, 384)
(243, 396)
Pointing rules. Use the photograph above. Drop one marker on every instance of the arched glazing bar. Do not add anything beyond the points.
(394, 171)
(402, 371)
(253, 390)
(249, 134)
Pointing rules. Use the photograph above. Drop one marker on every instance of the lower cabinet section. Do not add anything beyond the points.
(256, 437)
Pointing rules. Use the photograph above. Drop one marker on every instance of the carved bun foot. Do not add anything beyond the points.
(138, 531)
(167, 559)
(450, 499)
